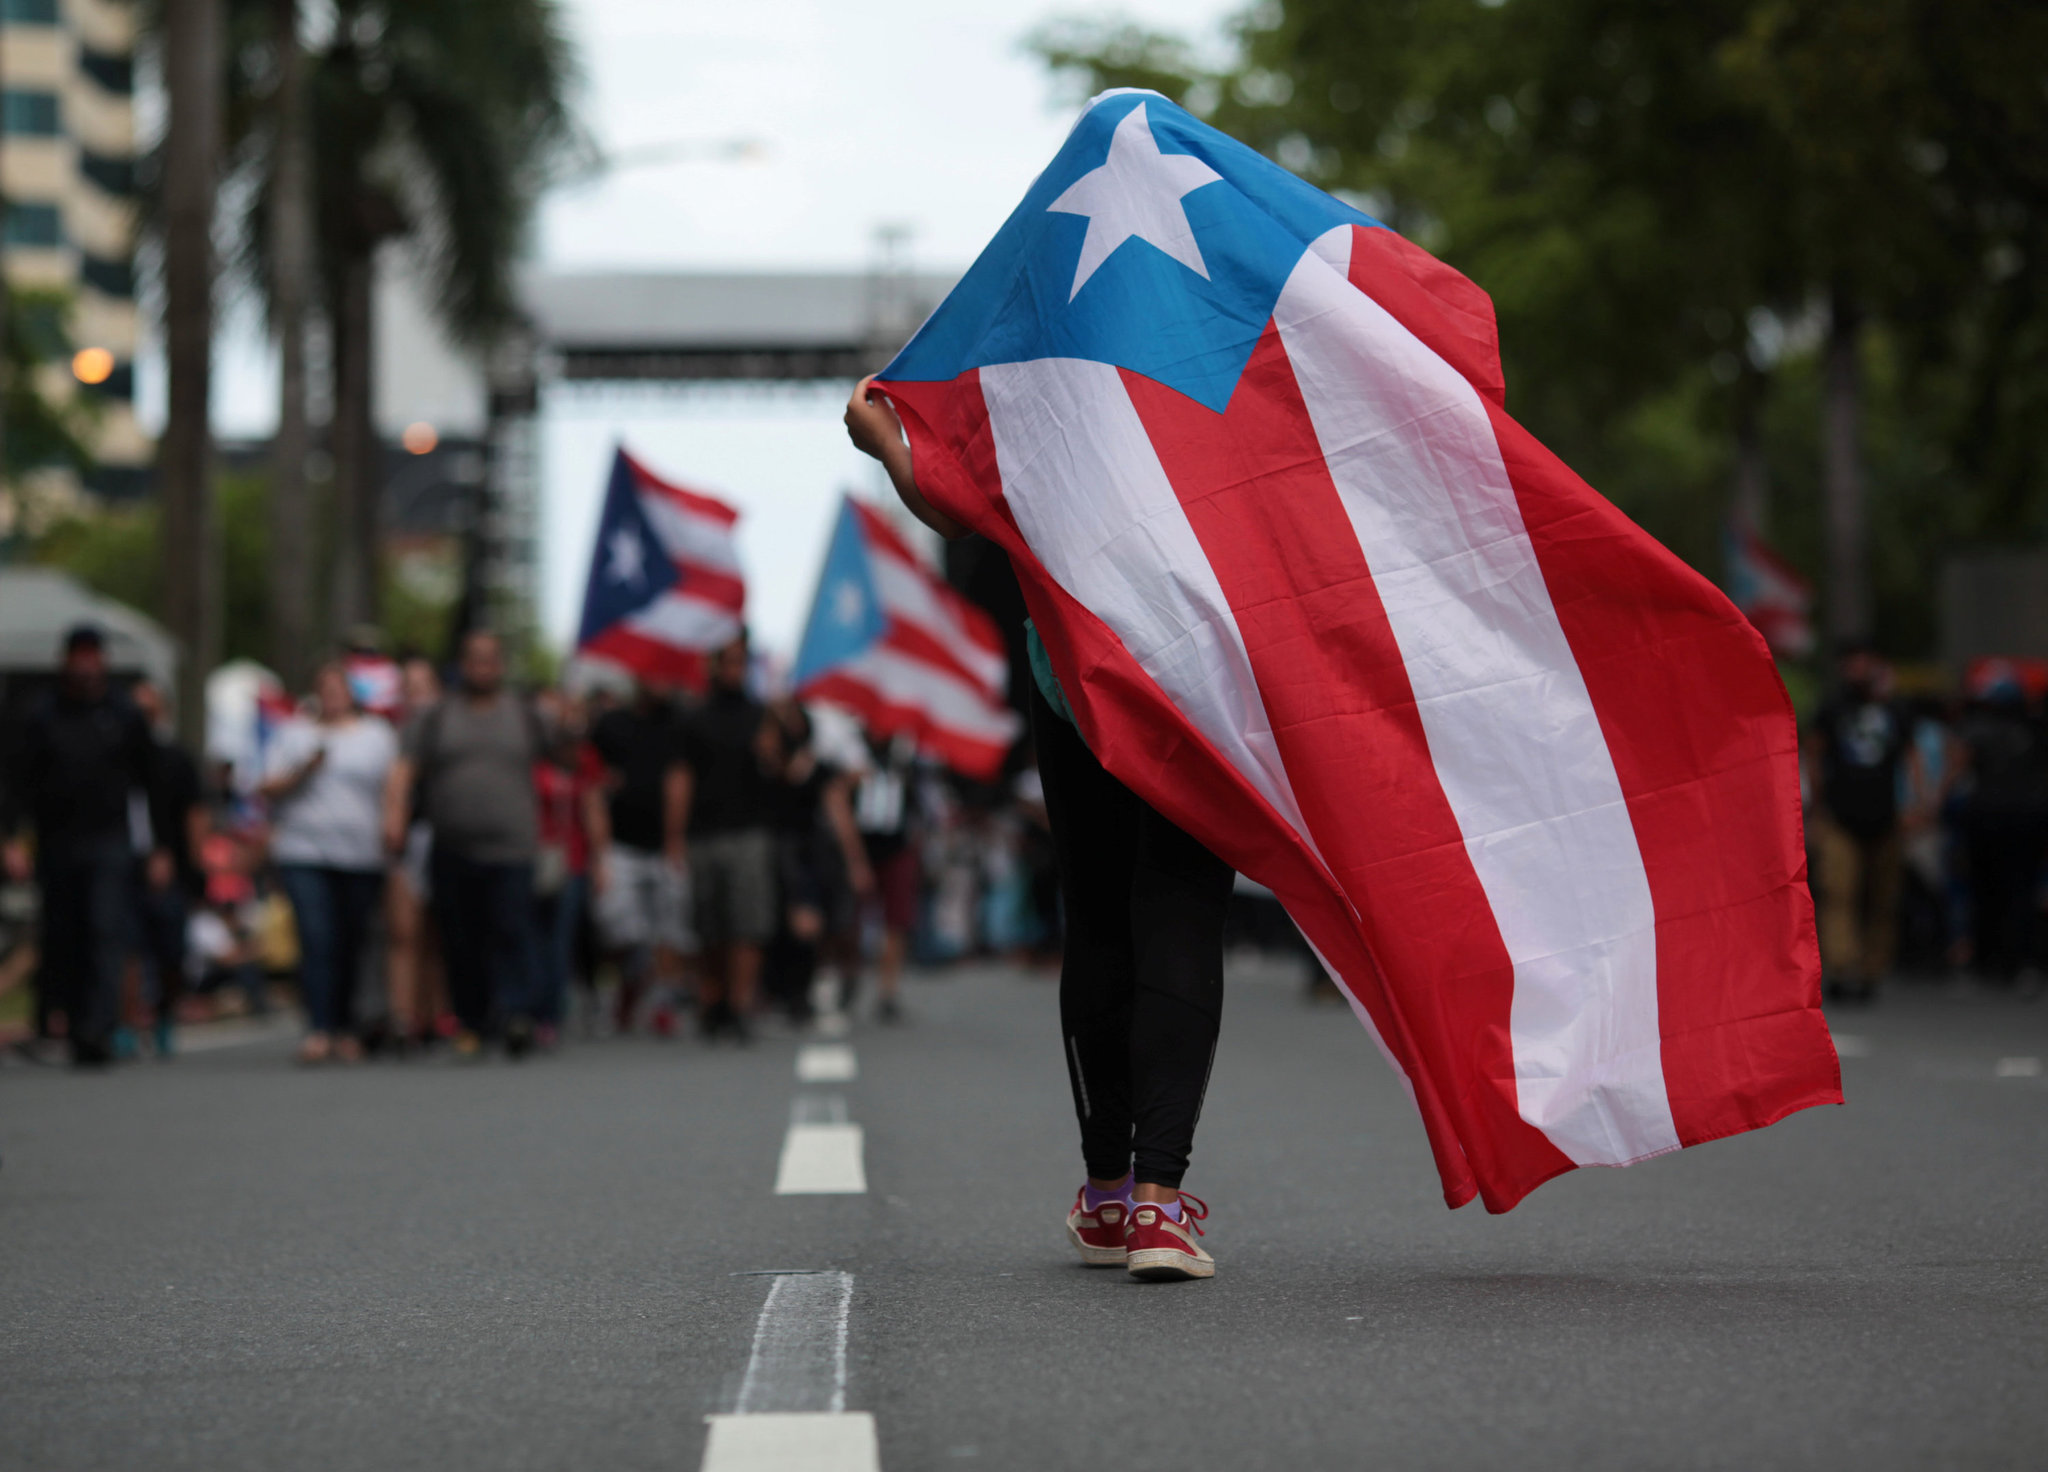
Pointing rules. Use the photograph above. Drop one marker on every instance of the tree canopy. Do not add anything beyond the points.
(1665, 200)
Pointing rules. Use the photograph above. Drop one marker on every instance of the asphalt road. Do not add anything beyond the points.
(227, 1262)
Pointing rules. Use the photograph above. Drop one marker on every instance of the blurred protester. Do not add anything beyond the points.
(1863, 750)
(224, 944)
(325, 780)
(821, 869)
(642, 912)
(2002, 819)
(414, 979)
(471, 759)
(730, 848)
(169, 878)
(884, 809)
(568, 784)
(81, 778)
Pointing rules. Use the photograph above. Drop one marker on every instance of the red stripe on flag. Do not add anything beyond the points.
(1703, 741)
(1138, 734)
(693, 501)
(1705, 745)
(1260, 499)
(712, 585)
(1449, 313)
(981, 760)
(650, 659)
(970, 620)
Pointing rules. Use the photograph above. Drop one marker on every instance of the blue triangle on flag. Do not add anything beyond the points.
(629, 568)
(846, 615)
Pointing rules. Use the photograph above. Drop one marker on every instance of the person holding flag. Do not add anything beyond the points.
(1527, 783)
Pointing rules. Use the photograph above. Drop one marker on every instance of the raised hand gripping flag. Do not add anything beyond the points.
(890, 641)
(1526, 781)
(665, 586)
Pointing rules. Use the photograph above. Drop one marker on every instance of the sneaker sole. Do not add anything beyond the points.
(1167, 1265)
(1096, 1257)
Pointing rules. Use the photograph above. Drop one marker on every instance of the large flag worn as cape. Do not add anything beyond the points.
(1526, 781)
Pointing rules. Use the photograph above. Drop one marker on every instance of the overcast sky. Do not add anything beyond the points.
(918, 113)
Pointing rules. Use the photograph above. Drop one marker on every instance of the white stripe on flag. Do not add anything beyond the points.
(1511, 728)
(685, 622)
(947, 699)
(1090, 496)
(688, 537)
(907, 593)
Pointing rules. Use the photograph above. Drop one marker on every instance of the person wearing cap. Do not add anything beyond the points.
(81, 780)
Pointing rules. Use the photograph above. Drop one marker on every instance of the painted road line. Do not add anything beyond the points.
(2017, 1068)
(826, 1063)
(799, 1358)
(1849, 1045)
(791, 1414)
(822, 1155)
(793, 1443)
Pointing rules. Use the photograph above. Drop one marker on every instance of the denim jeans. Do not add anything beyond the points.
(555, 920)
(332, 909)
(485, 912)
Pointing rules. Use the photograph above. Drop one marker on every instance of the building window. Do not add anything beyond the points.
(115, 74)
(29, 114)
(34, 225)
(29, 12)
(108, 278)
(114, 175)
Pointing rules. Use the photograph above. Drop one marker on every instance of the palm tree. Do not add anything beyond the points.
(290, 224)
(432, 121)
(192, 46)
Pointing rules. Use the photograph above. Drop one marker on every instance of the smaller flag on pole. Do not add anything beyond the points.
(1770, 592)
(890, 641)
(665, 586)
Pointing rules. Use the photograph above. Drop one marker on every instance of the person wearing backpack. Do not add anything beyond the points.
(468, 762)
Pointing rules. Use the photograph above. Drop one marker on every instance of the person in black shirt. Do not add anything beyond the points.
(1861, 741)
(820, 865)
(640, 874)
(169, 878)
(726, 816)
(2002, 820)
(84, 753)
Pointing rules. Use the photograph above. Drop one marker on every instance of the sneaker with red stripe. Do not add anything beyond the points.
(1160, 1249)
(1098, 1235)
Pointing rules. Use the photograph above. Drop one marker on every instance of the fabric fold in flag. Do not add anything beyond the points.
(1527, 783)
(665, 586)
(890, 641)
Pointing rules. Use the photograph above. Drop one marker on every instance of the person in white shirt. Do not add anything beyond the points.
(325, 779)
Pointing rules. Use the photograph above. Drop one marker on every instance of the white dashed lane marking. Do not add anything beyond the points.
(791, 1415)
(823, 1154)
(1848, 1045)
(2017, 1068)
(826, 1063)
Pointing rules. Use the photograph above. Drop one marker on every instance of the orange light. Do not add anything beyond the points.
(419, 439)
(92, 365)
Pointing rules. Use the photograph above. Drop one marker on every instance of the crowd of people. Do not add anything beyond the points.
(476, 867)
(463, 868)
(1927, 828)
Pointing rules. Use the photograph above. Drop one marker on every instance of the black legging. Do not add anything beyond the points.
(1141, 977)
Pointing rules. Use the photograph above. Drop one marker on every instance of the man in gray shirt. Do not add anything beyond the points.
(468, 761)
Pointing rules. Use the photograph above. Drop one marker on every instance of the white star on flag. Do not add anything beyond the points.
(1136, 192)
(847, 604)
(628, 557)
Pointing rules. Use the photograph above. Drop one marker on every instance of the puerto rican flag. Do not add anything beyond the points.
(1527, 782)
(665, 586)
(1769, 591)
(890, 641)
